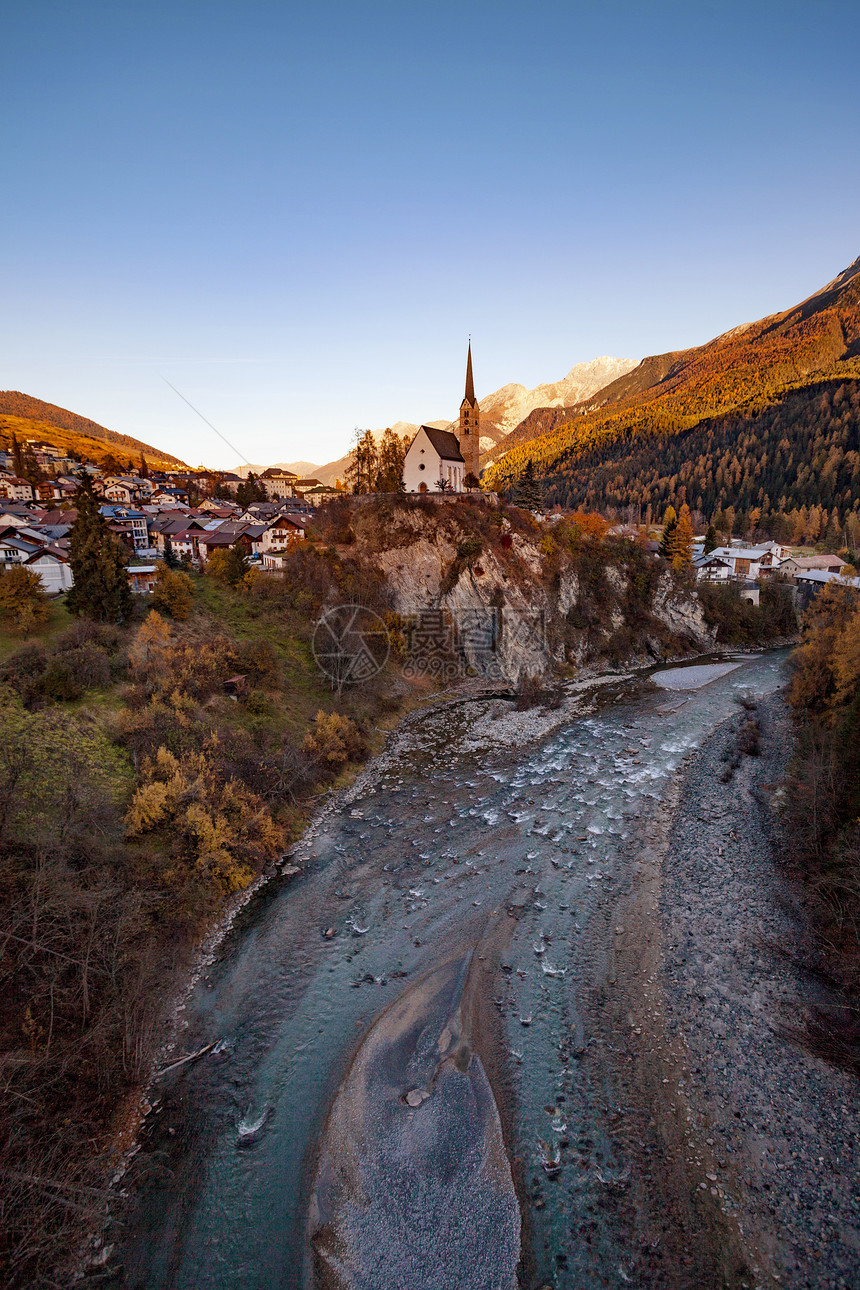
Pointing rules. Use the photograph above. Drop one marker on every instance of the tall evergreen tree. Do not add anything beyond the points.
(712, 541)
(101, 590)
(169, 554)
(236, 564)
(670, 523)
(17, 458)
(527, 492)
(251, 490)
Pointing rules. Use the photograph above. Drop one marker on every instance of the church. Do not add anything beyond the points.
(439, 460)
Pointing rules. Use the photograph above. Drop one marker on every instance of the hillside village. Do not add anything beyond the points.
(186, 516)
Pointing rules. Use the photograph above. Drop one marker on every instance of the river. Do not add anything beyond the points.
(402, 1030)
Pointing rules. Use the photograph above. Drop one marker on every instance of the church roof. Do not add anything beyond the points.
(445, 442)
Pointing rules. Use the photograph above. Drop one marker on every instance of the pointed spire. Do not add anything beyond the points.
(470, 384)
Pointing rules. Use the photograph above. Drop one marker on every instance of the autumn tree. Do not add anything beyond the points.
(392, 453)
(173, 593)
(149, 649)
(681, 539)
(228, 564)
(23, 603)
(212, 825)
(101, 589)
(363, 471)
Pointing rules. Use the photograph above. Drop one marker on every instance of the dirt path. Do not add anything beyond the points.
(759, 1140)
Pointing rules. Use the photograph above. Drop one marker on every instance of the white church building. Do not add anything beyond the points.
(434, 454)
(442, 460)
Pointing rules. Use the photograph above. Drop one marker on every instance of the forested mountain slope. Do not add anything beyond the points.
(738, 375)
(802, 450)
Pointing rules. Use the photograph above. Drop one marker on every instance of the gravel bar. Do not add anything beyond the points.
(772, 1131)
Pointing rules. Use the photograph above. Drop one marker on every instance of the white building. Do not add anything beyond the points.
(278, 483)
(53, 568)
(737, 562)
(15, 489)
(434, 455)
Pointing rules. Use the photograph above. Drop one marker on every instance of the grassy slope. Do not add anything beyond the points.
(741, 371)
(59, 620)
(126, 451)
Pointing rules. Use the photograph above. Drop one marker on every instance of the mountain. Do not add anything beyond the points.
(775, 368)
(304, 469)
(505, 409)
(26, 417)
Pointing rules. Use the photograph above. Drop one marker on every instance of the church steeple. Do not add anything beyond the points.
(470, 427)
(470, 384)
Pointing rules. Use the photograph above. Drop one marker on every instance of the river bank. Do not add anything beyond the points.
(761, 1136)
(523, 855)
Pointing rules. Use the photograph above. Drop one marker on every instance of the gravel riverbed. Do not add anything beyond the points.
(769, 1132)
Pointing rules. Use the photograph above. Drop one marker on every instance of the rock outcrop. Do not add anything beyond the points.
(519, 606)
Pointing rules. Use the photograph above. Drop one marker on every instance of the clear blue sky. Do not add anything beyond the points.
(297, 213)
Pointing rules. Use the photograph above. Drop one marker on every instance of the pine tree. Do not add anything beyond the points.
(711, 540)
(101, 590)
(235, 564)
(670, 523)
(17, 458)
(251, 490)
(527, 491)
(169, 554)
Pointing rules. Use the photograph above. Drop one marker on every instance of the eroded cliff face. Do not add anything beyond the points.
(543, 606)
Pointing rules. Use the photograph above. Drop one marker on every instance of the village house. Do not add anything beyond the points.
(141, 578)
(736, 563)
(48, 490)
(52, 566)
(318, 495)
(278, 483)
(215, 541)
(799, 564)
(15, 489)
(283, 531)
(808, 583)
(128, 525)
(15, 549)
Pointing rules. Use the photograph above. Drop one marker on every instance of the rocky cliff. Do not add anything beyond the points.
(518, 599)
